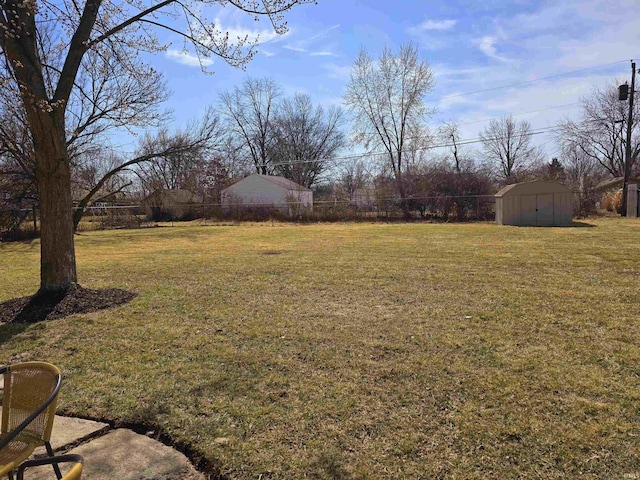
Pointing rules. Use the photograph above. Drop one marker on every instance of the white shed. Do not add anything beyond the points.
(267, 191)
(538, 203)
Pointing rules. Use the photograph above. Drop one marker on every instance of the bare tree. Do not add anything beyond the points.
(105, 97)
(304, 139)
(18, 193)
(172, 156)
(353, 177)
(231, 158)
(507, 146)
(91, 168)
(386, 99)
(18, 189)
(449, 134)
(249, 110)
(600, 131)
(583, 173)
(46, 73)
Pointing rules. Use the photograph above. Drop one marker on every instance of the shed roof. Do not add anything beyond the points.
(532, 188)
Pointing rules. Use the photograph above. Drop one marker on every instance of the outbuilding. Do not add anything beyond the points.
(538, 203)
(171, 204)
(267, 192)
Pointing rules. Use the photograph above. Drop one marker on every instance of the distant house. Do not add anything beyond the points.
(633, 199)
(267, 192)
(165, 204)
(615, 183)
(362, 198)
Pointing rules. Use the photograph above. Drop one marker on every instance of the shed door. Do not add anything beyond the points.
(544, 205)
(528, 210)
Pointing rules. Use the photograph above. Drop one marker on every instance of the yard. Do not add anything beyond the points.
(361, 350)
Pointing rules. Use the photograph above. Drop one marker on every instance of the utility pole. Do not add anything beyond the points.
(627, 154)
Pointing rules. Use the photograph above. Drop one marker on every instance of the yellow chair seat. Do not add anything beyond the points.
(16, 451)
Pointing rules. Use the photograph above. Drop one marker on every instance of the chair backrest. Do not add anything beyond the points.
(27, 386)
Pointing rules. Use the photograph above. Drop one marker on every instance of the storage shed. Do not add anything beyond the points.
(538, 203)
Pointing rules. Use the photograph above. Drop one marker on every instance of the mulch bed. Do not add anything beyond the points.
(49, 307)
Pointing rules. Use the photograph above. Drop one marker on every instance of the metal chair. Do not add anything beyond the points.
(74, 474)
(28, 409)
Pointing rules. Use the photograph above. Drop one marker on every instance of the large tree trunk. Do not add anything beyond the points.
(46, 120)
(53, 175)
(406, 211)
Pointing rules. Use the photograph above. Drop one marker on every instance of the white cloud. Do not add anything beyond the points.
(487, 46)
(455, 100)
(340, 72)
(442, 71)
(323, 53)
(439, 25)
(572, 33)
(430, 33)
(186, 58)
(295, 48)
(324, 33)
(309, 45)
(232, 21)
(239, 32)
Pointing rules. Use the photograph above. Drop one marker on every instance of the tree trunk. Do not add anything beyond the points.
(406, 211)
(53, 175)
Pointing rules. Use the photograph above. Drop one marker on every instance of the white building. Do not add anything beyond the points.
(267, 192)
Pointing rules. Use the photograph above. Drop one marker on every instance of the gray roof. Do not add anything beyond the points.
(282, 182)
(614, 183)
(176, 195)
(536, 186)
(285, 183)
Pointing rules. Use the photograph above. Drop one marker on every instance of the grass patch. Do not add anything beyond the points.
(359, 350)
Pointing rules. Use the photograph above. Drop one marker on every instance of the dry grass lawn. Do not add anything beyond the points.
(359, 351)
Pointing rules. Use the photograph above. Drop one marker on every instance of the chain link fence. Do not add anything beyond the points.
(21, 224)
(458, 209)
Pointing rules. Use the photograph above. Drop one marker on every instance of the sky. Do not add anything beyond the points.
(534, 60)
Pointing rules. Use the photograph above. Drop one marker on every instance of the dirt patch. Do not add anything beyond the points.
(49, 307)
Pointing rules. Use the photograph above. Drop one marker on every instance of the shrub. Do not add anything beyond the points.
(612, 201)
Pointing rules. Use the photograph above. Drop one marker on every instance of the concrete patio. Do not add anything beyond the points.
(114, 453)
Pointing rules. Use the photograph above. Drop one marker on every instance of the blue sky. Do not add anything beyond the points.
(470, 45)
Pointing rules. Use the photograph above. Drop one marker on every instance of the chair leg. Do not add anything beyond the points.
(55, 465)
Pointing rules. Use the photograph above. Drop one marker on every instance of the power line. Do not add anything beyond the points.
(553, 107)
(538, 131)
(523, 113)
(454, 95)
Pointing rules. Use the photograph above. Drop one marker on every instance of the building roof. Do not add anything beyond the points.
(534, 187)
(614, 183)
(285, 183)
(282, 182)
(176, 195)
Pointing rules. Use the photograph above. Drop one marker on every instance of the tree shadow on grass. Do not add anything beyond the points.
(18, 313)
